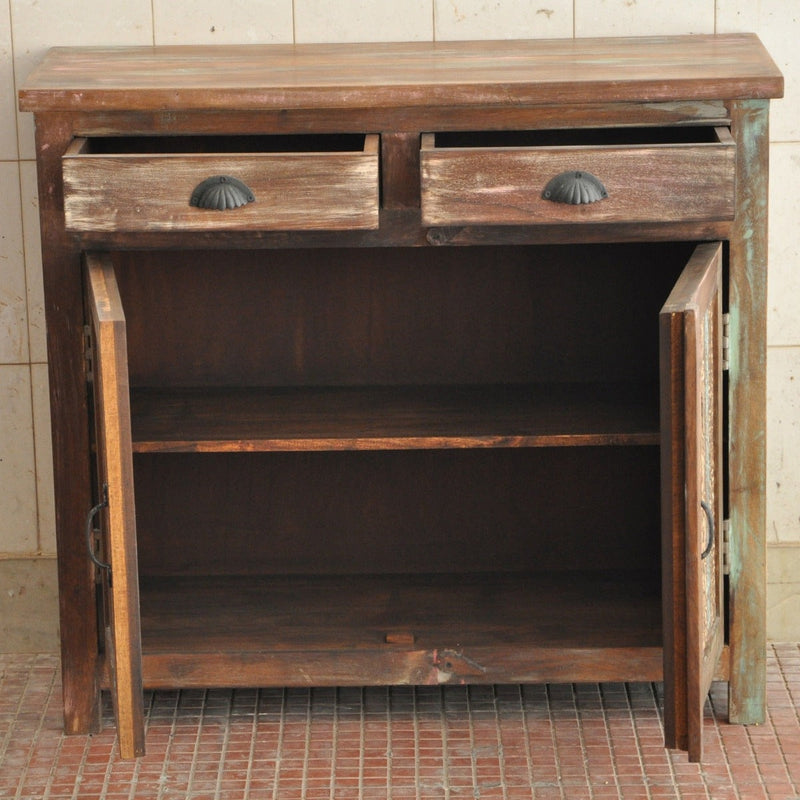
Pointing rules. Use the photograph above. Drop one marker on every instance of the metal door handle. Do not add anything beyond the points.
(711, 534)
(90, 529)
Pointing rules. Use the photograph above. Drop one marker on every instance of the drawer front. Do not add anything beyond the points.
(507, 185)
(278, 191)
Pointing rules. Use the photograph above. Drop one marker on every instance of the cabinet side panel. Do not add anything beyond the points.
(69, 419)
(747, 439)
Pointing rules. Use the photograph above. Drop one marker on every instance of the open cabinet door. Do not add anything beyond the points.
(115, 468)
(691, 428)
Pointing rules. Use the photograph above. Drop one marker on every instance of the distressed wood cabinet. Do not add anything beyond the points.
(346, 391)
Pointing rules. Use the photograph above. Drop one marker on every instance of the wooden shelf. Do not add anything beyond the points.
(292, 630)
(391, 418)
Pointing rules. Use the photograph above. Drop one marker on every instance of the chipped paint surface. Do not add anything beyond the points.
(746, 428)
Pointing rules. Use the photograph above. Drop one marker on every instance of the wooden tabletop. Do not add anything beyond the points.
(547, 71)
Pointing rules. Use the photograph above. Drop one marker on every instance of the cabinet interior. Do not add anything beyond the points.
(417, 447)
(178, 144)
(576, 137)
(353, 142)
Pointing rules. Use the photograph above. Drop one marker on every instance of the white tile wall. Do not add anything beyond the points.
(18, 520)
(8, 128)
(28, 605)
(28, 27)
(783, 320)
(39, 24)
(783, 592)
(642, 17)
(33, 262)
(777, 22)
(783, 443)
(362, 20)
(212, 22)
(13, 303)
(479, 19)
(43, 455)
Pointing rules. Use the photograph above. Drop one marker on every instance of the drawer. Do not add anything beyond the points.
(225, 184)
(617, 175)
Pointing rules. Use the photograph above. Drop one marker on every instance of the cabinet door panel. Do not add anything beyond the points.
(691, 423)
(115, 467)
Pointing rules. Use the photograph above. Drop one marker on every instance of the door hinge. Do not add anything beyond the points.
(726, 342)
(88, 353)
(726, 545)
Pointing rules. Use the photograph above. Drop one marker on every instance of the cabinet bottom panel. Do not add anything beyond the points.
(401, 629)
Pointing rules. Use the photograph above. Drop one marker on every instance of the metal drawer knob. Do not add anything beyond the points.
(221, 192)
(574, 188)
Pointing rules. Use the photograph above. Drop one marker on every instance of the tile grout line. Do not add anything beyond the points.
(35, 738)
(279, 746)
(112, 760)
(415, 724)
(226, 737)
(754, 751)
(577, 707)
(307, 742)
(389, 740)
(638, 741)
(670, 764)
(49, 785)
(610, 741)
(253, 739)
(14, 83)
(582, 739)
(3, 683)
(715, 719)
(76, 791)
(26, 281)
(193, 766)
(553, 739)
(361, 741)
(164, 777)
(135, 779)
(526, 733)
(334, 743)
(501, 751)
(796, 706)
(794, 700)
(473, 760)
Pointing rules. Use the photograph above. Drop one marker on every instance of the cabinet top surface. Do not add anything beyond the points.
(548, 71)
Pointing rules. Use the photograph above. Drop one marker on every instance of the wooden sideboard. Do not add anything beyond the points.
(408, 363)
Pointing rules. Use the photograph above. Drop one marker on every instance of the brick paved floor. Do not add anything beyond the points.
(598, 741)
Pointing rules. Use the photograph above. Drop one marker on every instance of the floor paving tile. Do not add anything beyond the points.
(561, 742)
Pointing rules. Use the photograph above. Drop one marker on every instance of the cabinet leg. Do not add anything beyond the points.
(81, 698)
